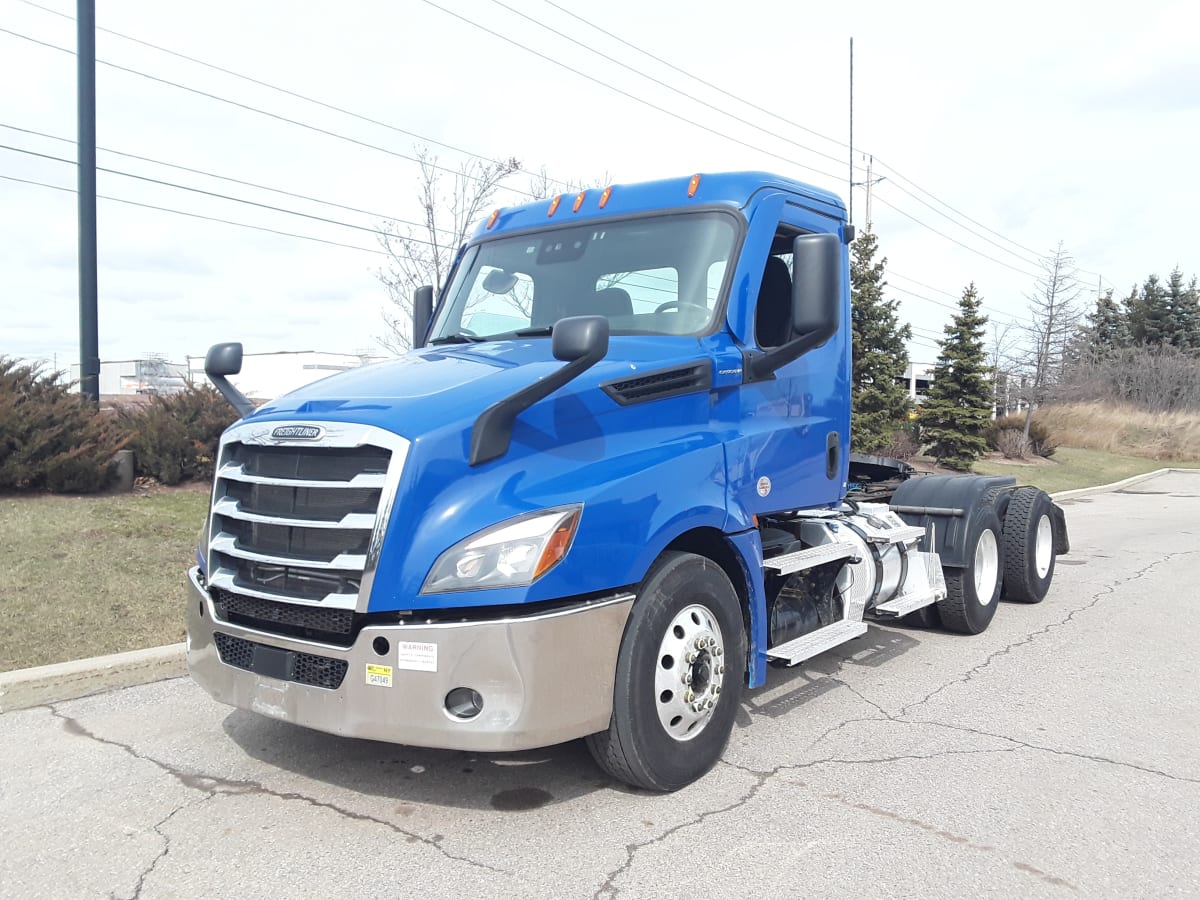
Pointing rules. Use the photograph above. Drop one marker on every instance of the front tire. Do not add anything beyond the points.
(679, 677)
(973, 590)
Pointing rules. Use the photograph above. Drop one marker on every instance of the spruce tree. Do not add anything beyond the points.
(1184, 312)
(879, 399)
(1106, 329)
(959, 405)
(1156, 322)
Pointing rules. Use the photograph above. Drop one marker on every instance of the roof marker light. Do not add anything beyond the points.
(693, 186)
(604, 197)
(578, 201)
(554, 205)
(492, 219)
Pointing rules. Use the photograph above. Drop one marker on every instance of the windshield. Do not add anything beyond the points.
(653, 275)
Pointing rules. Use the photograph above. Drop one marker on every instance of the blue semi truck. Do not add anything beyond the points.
(610, 485)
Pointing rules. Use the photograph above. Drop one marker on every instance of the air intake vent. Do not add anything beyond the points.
(663, 383)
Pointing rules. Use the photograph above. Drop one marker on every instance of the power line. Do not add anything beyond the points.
(624, 93)
(331, 106)
(942, 234)
(707, 84)
(214, 194)
(180, 212)
(207, 174)
(661, 83)
(896, 173)
(255, 109)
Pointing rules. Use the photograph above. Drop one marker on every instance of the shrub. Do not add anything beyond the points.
(174, 437)
(50, 438)
(903, 445)
(1041, 441)
(1011, 443)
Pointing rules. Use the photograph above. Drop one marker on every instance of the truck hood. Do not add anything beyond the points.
(435, 387)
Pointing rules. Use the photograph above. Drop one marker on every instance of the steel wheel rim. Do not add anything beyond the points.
(987, 567)
(688, 672)
(1043, 551)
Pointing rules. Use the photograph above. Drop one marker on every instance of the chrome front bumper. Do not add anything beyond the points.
(544, 678)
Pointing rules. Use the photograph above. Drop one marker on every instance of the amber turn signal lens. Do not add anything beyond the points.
(492, 219)
(693, 185)
(554, 205)
(557, 546)
(604, 197)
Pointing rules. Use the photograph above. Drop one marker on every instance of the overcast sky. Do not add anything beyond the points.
(1042, 122)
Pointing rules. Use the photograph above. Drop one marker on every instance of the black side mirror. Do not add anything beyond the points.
(579, 337)
(221, 361)
(816, 302)
(816, 286)
(580, 342)
(422, 312)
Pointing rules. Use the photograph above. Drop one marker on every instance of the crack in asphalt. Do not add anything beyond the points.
(213, 785)
(166, 848)
(950, 836)
(1033, 635)
(609, 888)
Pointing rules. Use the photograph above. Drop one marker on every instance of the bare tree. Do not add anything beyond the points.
(424, 255)
(1000, 361)
(1053, 322)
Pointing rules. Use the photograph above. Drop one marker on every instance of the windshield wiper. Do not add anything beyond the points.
(539, 331)
(458, 337)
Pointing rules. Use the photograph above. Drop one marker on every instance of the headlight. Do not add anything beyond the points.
(514, 553)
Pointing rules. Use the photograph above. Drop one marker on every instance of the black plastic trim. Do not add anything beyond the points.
(659, 384)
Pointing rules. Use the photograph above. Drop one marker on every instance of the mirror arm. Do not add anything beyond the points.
(236, 398)
(758, 366)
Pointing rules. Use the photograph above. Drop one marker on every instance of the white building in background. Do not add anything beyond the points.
(918, 377)
(131, 377)
(265, 376)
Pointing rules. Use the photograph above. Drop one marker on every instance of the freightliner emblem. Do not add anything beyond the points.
(297, 433)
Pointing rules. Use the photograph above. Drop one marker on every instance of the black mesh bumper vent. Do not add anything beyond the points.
(275, 662)
(333, 626)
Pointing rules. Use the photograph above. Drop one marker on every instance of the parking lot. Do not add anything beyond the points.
(1057, 754)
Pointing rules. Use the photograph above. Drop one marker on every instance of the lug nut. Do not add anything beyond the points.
(689, 657)
(689, 696)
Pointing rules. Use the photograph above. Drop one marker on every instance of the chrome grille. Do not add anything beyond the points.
(299, 521)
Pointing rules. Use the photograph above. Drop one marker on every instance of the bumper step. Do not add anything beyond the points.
(809, 558)
(809, 645)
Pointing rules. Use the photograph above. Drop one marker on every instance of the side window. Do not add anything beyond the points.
(499, 301)
(773, 309)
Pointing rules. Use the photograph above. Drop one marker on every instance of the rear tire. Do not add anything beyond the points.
(973, 590)
(684, 639)
(1028, 546)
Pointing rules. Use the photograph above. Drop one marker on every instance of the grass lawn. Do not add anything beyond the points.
(1070, 468)
(85, 576)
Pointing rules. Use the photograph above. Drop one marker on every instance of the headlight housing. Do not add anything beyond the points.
(513, 553)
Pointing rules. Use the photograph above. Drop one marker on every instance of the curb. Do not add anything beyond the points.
(23, 688)
(1117, 485)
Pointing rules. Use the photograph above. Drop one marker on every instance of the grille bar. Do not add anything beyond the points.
(227, 506)
(237, 472)
(227, 580)
(227, 544)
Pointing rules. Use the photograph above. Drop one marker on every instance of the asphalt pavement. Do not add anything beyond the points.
(1055, 755)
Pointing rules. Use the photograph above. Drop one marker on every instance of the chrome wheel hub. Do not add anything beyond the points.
(689, 672)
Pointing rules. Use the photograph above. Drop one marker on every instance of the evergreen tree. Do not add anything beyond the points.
(1156, 323)
(1132, 312)
(959, 405)
(1184, 312)
(879, 399)
(1106, 329)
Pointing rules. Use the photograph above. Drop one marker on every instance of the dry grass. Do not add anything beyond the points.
(85, 576)
(1124, 430)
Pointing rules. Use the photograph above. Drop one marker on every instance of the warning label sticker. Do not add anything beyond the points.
(380, 676)
(416, 656)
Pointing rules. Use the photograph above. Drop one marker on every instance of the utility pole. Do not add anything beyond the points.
(850, 186)
(870, 183)
(89, 336)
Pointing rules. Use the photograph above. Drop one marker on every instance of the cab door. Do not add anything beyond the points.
(792, 428)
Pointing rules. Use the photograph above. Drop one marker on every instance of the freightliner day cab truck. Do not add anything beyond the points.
(609, 487)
